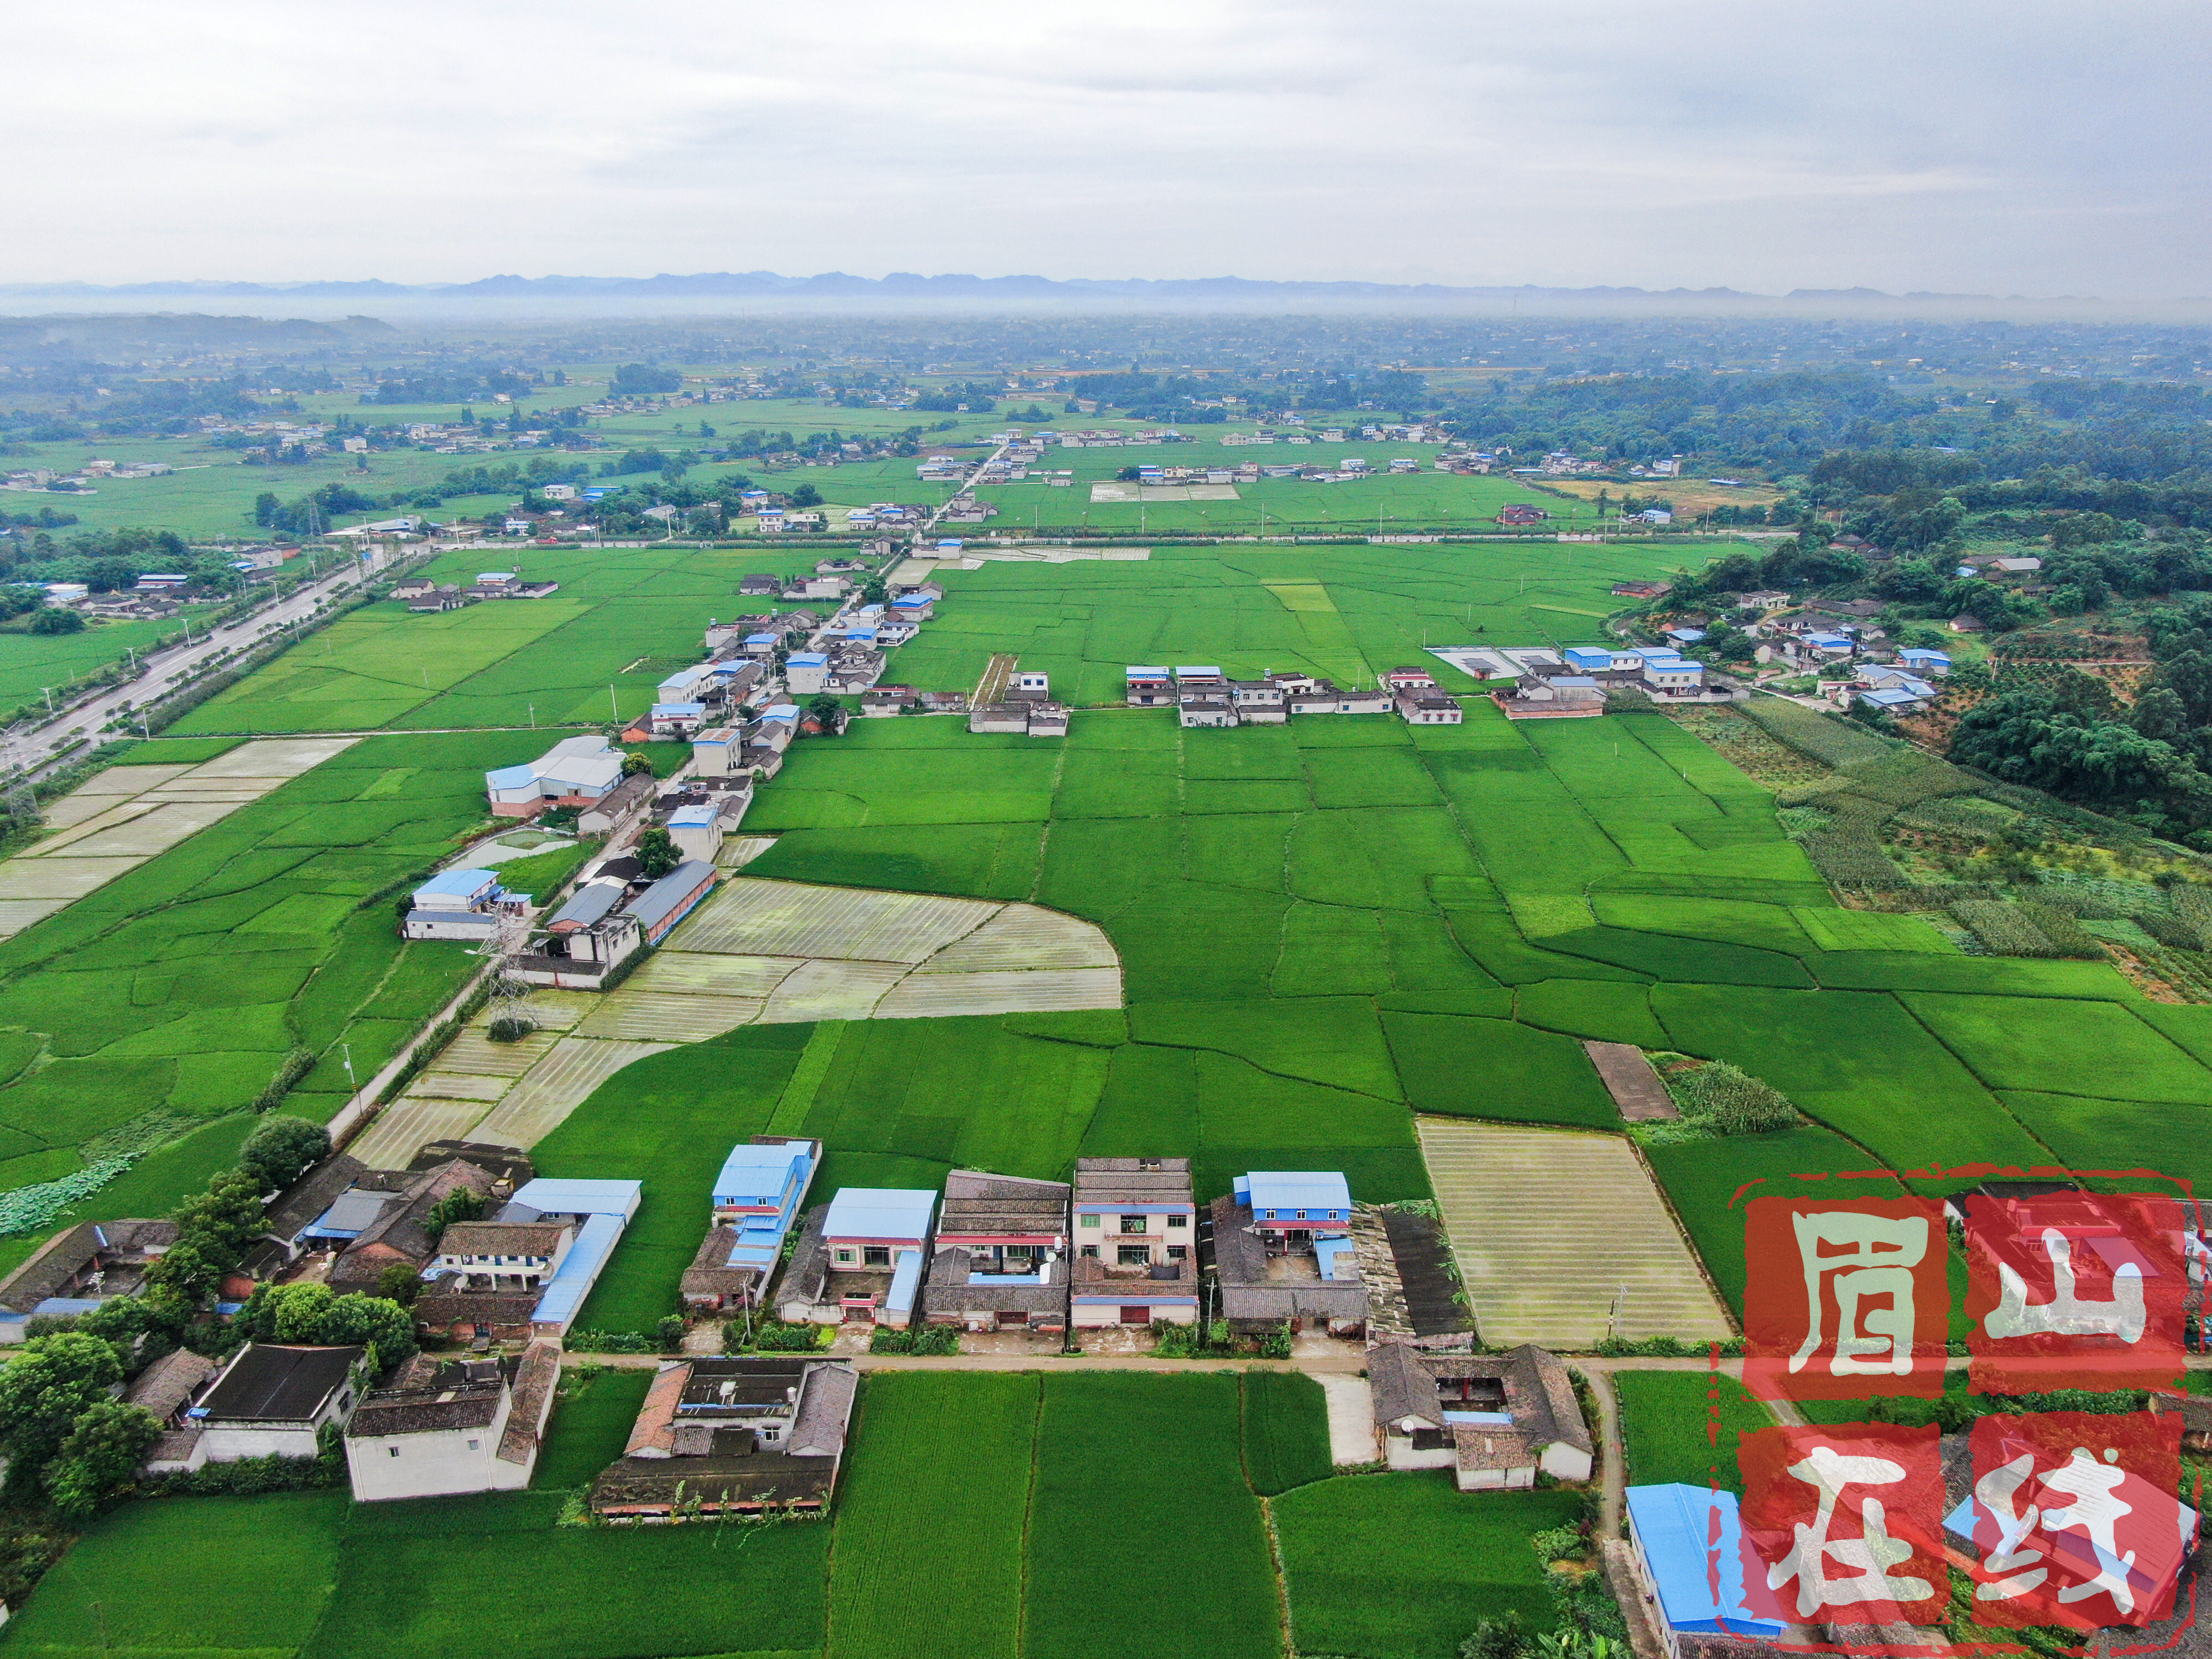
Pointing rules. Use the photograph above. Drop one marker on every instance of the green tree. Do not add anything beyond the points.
(828, 712)
(634, 762)
(806, 495)
(283, 1149)
(51, 620)
(656, 854)
(316, 1314)
(264, 508)
(399, 1283)
(228, 1215)
(105, 1447)
(2188, 675)
(188, 1271)
(462, 1204)
(43, 1391)
(2159, 715)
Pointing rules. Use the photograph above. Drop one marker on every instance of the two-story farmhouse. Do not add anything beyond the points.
(1001, 1258)
(757, 1197)
(1136, 1242)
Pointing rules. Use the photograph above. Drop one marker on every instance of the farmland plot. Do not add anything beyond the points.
(944, 1457)
(126, 814)
(1403, 1566)
(1120, 1444)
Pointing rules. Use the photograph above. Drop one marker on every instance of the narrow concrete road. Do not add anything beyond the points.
(1613, 1469)
(1345, 1364)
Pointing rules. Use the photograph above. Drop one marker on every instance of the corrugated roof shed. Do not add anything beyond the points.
(1673, 1524)
(894, 1212)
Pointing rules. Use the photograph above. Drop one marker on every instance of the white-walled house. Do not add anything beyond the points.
(453, 1426)
(273, 1399)
(1493, 1420)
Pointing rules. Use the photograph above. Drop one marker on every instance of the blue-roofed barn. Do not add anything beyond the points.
(1682, 1537)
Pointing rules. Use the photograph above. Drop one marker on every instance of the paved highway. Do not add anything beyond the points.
(32, 749)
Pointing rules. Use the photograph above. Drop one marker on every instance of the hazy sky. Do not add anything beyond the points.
(2020, 147)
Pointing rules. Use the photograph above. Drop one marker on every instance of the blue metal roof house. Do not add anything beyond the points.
(1669, 1527)
(1589, 659)
(600, 1209)
(1312, 1200)
(456, 904)
(757, 1200)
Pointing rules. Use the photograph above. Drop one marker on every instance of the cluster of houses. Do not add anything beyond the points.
(1574, 682)
(1839, 641)
(438, 1426)
(1203, 696)
(1027, 707)
(86, 480)
(1120, 1245)
(420, 593)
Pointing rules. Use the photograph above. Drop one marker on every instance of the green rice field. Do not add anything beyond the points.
(977, 1514)
(1668, 1426)
(624, 619)
(1404, 1565)
(1348, 612)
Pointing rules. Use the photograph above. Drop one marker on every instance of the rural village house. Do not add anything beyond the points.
(732, 1437)
(859, 1258)
(1002, 1259)
(446, 1426)
(758, 1198)
(1283, 1254)
(1136, 1242)
(1493, 1420)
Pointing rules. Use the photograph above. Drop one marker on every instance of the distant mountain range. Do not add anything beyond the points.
(837, 286)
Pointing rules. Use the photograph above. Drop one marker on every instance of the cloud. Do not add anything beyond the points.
(1979, 145)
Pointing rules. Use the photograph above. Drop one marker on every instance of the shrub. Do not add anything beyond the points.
(770, 1337)
(1497, 1639)
(1729, 1101)
(670, 1330)
(1559, 1544)
(2005, 930)
(2067, 936)
(609, 1342)
(248, 1477)
(510, 1028)
(918, 1340)
(297, 1064)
